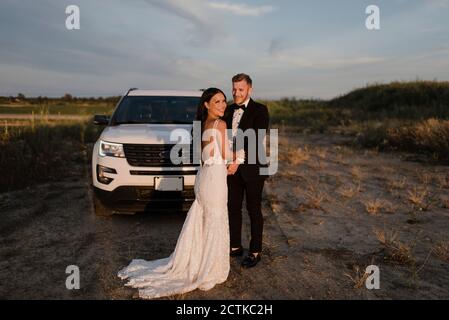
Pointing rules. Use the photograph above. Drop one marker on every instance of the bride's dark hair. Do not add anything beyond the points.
(201, 114)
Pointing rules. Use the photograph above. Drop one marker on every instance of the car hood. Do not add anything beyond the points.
(143, 133)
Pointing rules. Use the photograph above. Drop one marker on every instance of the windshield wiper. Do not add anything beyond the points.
(179, 122)
(128, 122)
(155, 122)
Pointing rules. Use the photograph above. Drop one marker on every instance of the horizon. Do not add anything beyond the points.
(367, 85)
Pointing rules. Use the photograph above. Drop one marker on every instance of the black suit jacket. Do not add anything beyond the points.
(255, 117)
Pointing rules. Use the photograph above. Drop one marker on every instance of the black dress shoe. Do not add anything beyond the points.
(236, 253)
(250, 261)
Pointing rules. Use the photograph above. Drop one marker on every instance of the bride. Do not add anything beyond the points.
(201, 256)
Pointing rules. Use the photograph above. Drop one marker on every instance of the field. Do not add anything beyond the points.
(363, 179)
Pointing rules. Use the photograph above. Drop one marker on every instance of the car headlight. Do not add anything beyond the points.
(111, 149)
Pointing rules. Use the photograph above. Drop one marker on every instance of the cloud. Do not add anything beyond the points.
(241, 9)
(437, 3)
(194, 12)
(314, 58)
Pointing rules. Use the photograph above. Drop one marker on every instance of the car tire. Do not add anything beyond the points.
(100, 209)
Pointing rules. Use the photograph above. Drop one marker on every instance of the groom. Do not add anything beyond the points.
(245, 178)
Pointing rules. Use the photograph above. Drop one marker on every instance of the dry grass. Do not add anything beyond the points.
(298, 156)
(341, 160)
(424, 177)
(418, 198)
(357, 173)
(397, 183)
(297, 190)
(182, 296)
(430, 136)
(288, 174)
(443, 181)
(441, 250)
(387, 170)
(318, 165)
(284, 142)
(44, 151)
(349, 191)
(395, 250)
(321, 153)
(359, 278)
(314, 199)
(272, 198)
(375, 206)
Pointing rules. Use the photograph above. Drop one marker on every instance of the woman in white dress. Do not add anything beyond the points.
(200, 259)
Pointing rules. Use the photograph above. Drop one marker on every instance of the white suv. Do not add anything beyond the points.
(131, 166)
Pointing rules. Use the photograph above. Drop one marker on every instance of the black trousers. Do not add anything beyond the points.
(252, 189)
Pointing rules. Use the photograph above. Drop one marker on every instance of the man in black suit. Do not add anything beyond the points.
(245, 178)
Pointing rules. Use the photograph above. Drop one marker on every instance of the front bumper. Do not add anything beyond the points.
(137, 198)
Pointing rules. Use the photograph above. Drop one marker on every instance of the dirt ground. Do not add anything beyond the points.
(329, 213)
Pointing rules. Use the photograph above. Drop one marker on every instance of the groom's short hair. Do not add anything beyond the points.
(242, 76)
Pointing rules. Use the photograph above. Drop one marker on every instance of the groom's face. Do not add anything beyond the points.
(241, 91)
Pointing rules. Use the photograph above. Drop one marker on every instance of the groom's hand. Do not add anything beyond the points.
(232, 168)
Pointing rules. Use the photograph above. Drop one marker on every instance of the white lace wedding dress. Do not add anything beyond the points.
(201, 256)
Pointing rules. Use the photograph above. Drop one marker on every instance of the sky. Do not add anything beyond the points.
(290, 48)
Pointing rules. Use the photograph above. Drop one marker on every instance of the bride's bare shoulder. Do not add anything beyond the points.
(221, 124)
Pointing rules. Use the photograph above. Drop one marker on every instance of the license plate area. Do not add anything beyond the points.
(168, 183)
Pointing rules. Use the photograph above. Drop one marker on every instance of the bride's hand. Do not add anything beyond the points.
(232, 168)
(239, 156)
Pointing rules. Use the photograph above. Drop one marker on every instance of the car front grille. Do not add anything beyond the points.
(155, 155)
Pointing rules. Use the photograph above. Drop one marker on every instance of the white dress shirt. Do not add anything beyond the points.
(236, 117)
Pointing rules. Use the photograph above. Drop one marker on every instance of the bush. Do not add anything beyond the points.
(430, 136)
(42, 153)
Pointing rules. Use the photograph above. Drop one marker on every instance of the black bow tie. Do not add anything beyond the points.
(239, 107)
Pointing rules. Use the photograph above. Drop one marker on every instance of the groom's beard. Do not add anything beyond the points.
(239, 100)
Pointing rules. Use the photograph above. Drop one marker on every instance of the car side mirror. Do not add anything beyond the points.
(101, 119)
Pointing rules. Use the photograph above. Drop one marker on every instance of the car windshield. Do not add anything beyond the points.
(144, 109)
